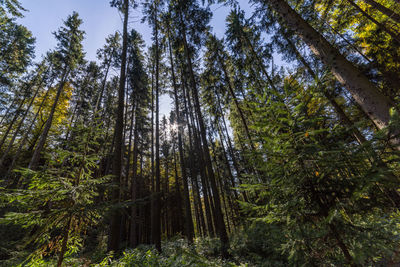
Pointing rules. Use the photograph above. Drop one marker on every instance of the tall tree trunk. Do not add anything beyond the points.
(118, 133)
(134, 241)
(177, 220)
(188, 213)
(26, 135)
(384, 10)
(156, 209)
(395, 36)
(103, 86)
(210, 172)
(21, 122)
(194, 142)
(33, 164)
(232, 93)
(365, 93)
(8, 110)
(14, 119)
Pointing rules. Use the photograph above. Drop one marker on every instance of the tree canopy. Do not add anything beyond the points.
(281, 147)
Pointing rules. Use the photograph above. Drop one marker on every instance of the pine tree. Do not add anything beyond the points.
(69, 54)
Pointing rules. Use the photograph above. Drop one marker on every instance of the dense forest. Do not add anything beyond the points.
(257, 164)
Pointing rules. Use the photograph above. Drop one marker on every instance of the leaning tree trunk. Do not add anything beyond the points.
(365, 93)
(33, 164)
(384, 10)
(232, 93)
(21, 122)
(25, 138)
(394, 35)
(14, 120)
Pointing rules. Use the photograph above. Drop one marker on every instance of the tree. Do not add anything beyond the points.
(68, 55)
(119, 126)
(58, 203)
(374, 103)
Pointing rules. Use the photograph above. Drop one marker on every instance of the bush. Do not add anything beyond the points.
(259, 243)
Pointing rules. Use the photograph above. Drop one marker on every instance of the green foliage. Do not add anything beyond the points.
(70, 48)
(59, 199)
(17, 49)
(176, 253)
(11, 6)
(325, 196)
(260, 243)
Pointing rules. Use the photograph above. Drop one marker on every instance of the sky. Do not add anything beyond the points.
(43, 17)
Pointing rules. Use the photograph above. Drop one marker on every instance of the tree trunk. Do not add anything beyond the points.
(14, 119)
(194, 142)
(232, 93)
(25, 138)
(365, 93)
(64, 243)
(118, 134)
(33, 164)
(156, 210)
(188, 213)
(210, 172)
(134, 241)
(21, 122)
(384, 10)
(377, 23)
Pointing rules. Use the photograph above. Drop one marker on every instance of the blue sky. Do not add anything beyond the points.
(99, 20)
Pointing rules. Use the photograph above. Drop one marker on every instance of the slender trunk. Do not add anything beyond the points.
(377, 23)
(131, 133)
(64, 242)
(103, 86)
(25, 138)
(188, 213)
(260, 62)
(384, 10)
(210, 172)
(196, 144)
(156, 209)
(21, 122)
(228, 165)
(177, 221)
(6, 114)
(232, 93)
(134, 188)
(14, 119)
(119, 128)
(33, 164)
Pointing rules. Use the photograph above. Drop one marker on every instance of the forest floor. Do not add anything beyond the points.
(175, 252)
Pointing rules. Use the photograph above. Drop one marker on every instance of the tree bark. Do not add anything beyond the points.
(156, 210)
(377, 23)
(118, 134)
(194, 146)
(10, 144)
(134, 241)
(384, 10)
(188, 213)
(14, 119)
(210, 172)
(33, 164)
(365, 93)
